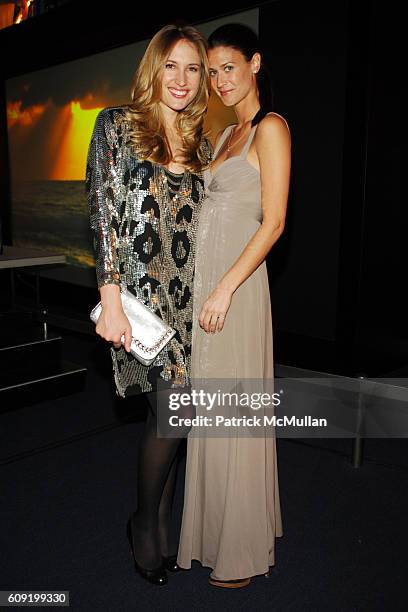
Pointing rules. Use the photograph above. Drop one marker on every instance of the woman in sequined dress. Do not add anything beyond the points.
(145, 189)
(231, 507)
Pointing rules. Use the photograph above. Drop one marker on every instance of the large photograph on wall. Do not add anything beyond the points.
(51, 115)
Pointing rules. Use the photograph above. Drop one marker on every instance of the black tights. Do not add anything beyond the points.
(157, 471)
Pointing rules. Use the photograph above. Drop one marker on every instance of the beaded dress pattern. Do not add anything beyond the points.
(144, 220)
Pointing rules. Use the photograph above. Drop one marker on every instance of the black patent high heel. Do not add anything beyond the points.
(170, 563)
(157, 576)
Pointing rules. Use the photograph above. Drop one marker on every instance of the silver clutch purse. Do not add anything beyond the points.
(149, 333)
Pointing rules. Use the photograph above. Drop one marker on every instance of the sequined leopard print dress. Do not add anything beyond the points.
(143, 220)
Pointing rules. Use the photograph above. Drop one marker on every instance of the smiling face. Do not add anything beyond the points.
(181, 76)
(233, 77)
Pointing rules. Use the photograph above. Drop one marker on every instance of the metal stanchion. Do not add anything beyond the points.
(45, 328)
(358, 441)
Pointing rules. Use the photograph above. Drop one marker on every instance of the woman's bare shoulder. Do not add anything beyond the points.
(272, 134)
(273, 123)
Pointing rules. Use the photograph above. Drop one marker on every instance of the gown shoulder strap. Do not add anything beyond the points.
(245, 149)
(222, 139)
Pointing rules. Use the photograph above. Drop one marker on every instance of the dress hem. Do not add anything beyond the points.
(239, 577)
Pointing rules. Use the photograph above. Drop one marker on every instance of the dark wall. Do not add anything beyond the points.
(338, 273)
(306, 49)
(383, 307)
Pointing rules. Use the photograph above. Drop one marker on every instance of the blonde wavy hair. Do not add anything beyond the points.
(147, 133)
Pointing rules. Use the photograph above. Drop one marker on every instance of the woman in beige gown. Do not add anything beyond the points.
(232, 509)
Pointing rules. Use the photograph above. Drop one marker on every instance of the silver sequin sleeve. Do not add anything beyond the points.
(103, 189)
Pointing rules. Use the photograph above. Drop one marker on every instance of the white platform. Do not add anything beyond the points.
(16, 257)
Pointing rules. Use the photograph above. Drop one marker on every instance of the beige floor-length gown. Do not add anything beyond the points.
(232, 512)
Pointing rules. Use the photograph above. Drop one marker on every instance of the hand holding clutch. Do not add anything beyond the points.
(149, 332)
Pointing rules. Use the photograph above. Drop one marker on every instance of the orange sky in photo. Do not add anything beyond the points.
(67, 141)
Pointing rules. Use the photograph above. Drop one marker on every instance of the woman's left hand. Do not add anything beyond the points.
(214, 310)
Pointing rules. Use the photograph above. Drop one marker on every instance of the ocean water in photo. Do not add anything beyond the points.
(53, 216)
